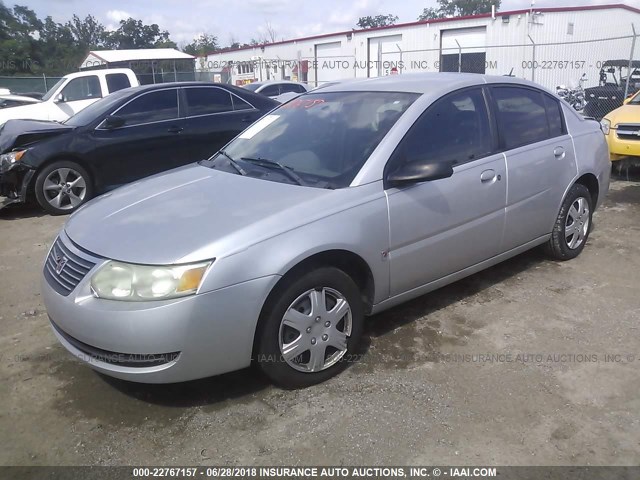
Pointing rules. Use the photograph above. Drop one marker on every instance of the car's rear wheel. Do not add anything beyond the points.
(310, 329)
(62, 187)
(573, 224)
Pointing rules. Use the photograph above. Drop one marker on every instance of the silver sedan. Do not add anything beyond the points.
(337, 205)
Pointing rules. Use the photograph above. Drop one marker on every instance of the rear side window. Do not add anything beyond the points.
(117, 81)
(554, 116)
(240, 104)
(455, 129)
(83, 88)
(522, 116)
(151, 107)
(204, 101)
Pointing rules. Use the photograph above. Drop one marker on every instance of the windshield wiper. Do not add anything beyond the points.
(233, 163)
(288, 171)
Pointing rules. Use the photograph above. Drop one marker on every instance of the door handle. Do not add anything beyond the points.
(558, 152)
(174, 129)
(487, 176)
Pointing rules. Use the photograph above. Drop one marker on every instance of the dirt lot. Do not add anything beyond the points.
(535, 388)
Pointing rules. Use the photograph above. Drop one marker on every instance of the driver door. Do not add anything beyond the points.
(440, 227)
(78, 94)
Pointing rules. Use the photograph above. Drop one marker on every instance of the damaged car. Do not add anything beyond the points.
(128, 135)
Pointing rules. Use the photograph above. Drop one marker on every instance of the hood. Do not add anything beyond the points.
(624, 114)
(16, 133)
(193, 213)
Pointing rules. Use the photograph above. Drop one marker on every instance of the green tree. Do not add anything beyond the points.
(135, 34)
(204, 44)
(377, 21)
(458, 8)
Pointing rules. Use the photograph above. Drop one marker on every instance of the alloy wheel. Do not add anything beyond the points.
(577, 223)
(64, 188)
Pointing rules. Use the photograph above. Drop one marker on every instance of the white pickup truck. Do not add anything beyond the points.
(71, 94)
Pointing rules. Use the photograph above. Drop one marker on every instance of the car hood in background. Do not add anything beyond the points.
(195, 213)
(16, 133)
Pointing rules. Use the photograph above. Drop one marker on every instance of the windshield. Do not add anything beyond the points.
(252, 86)
(51, 91)
(324, 138)
(97, 109)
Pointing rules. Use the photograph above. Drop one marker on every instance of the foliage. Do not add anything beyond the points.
(377, 21)
(458, 8)
(204, 44)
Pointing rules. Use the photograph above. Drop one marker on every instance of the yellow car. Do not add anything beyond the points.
(622, 129)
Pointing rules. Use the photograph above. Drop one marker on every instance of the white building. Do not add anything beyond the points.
(548, 45)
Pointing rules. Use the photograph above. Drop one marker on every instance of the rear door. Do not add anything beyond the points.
(440, 227)
(540, 160)
(150, 141)
(214, 117)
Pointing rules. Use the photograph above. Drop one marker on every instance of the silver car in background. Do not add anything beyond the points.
(339, 204)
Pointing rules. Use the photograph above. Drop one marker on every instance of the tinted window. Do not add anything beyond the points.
(291, 87)
(522, 116)
(240, 104)
(455, 129)
(324, 138)
(270, 90)
(203, 101)
(83, 88)
(117, 81)
(151, 107)
(252, 86)
(554, 116)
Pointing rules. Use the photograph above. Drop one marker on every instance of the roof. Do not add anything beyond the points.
(112, 56)
(436, 20)
(427, 82)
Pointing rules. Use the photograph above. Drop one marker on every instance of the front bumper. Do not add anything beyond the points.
(14, 183)
(158, 342)
(621, 148)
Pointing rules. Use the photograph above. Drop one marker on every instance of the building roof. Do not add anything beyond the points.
(113, 56)
(437, 20)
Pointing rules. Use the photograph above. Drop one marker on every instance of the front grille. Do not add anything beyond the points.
(136, 360)
(64, 269)
(629, 131)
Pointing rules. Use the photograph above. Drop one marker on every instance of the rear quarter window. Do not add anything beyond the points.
(117, 81)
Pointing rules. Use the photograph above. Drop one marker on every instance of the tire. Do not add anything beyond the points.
(62, 187)
(313, 344)
(573, 225)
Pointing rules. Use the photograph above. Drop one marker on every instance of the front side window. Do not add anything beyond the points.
(455, 130)
(151, 107)
(324, 139)
(204, 101)
(522, 116)
(83, 88)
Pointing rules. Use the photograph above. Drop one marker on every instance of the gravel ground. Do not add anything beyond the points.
(531, 362)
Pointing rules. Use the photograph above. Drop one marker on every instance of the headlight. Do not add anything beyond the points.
(139, 283)
(605, 125)
(12, 157)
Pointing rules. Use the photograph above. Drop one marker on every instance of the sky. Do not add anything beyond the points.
(242, 20)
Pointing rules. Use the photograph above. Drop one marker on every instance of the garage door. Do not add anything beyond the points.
(384, 55)
(463, 50)
(330, 63)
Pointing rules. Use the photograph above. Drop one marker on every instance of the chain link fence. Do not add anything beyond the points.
(594, 75)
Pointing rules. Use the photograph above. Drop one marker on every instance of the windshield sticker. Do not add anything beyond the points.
(259, 126)
(304, 103)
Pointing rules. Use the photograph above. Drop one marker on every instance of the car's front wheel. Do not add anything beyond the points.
(310, 329)
(573, 224)
(62, 187)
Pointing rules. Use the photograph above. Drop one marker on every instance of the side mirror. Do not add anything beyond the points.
(113, 121)
(59, 98)
(414, 172)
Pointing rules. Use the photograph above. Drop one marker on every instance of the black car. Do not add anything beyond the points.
(127, 135)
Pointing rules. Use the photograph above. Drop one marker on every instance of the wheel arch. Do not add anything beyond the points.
(65, 157)
(590, 181)
(349, 262)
